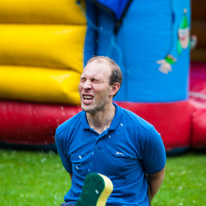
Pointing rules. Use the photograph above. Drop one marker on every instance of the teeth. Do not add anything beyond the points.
(87, 97)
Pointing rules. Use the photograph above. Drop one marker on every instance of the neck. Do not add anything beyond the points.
(101, 120)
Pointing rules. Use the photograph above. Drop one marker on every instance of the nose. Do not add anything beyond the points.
(87, 84)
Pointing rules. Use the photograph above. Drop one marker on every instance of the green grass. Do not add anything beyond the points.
(30, 178)
(185, 181)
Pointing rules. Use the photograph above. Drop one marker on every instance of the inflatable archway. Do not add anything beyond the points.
(43, 50)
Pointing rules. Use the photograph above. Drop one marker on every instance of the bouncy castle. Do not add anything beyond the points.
(44, 46)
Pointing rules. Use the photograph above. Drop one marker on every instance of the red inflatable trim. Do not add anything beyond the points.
(198, 104)
(31, 124)
(198, 124)
(172, 120)
(35, 124)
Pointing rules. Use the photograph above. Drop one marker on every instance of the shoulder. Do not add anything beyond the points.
(134, 120)
(140, 129)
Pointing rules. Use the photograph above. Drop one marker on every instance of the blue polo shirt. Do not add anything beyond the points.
(125, 152)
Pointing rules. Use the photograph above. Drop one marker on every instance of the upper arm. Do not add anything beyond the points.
(158, 175)
(155, 181)
(60, 144)
(154, 155)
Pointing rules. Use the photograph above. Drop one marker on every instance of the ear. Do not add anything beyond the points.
(115, 88)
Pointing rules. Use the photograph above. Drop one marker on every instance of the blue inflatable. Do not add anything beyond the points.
(151, 43)
(148, 47)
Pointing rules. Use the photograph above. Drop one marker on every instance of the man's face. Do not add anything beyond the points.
(94, 88)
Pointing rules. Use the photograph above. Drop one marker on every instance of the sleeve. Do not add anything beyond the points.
(154, 155)
(60, 144)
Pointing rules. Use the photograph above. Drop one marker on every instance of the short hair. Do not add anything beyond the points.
(116, 73)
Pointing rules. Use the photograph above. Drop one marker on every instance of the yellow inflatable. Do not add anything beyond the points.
(39, 85)
(41, 12)
(42, 45)
(41, 50)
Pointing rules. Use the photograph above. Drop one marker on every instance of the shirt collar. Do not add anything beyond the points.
(117, 117)
(84, 121)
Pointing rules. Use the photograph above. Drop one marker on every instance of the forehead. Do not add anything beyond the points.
(97, 69)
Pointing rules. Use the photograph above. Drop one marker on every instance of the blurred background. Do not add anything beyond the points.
(44, 45)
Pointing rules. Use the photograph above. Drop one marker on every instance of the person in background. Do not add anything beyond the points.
(110, 140)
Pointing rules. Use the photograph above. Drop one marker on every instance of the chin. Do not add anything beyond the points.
(88, 108)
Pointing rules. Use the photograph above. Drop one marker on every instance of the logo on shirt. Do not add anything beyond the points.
(119, 154)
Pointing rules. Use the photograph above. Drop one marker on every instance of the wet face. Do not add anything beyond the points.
(95, 91)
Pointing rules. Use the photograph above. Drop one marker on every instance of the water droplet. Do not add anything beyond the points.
(21, 195)
(97, 192)
(77, 167)
(121, 124)
(89, 170)
(180, 187)
(80, 157)
(109, 136)
(92, 153)
(43, 160)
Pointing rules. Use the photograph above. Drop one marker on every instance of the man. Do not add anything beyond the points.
(110, 140)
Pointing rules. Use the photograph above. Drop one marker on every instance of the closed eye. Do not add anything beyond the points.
(96, 81)
(92, 80)
(83, 79)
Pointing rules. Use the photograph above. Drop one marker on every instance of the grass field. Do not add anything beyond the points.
(32, 178)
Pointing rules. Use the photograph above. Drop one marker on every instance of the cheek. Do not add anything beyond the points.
(104, 94)
(80, 86)
(80, 91)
